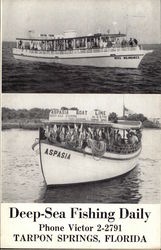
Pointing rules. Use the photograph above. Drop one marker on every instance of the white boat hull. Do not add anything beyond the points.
(70, 166)
(111, 58)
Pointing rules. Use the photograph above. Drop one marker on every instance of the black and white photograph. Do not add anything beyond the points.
(81, 46)
(83, 148)
(80, 124)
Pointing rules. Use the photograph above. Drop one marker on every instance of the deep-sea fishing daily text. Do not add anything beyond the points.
(72, 226)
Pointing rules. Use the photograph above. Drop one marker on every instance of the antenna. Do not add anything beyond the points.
(30, 33)
(127, 19)
(123, 107)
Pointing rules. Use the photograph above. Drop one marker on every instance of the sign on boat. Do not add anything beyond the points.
(99, 50)
(79, 146)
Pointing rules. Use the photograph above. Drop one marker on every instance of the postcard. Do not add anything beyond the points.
(81, 124)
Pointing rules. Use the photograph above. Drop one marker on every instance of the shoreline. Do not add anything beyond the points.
(21, 125)
(36, 125)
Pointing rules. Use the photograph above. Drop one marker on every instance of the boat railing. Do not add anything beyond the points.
(77, 51)
(123, 149)
(111, 148)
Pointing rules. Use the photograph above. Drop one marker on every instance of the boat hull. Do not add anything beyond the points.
(64, 166)
(119, 58)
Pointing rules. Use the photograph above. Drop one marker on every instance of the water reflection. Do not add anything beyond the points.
(124, 189)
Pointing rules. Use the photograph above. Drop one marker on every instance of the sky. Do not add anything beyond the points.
(140, 18)
(147, 104)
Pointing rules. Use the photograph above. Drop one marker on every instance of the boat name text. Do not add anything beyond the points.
(56, 153)
(127, 57)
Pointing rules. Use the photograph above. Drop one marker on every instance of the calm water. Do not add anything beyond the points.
(23, 181)
(36, 77)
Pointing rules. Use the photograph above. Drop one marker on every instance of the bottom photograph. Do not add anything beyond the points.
(81, 148)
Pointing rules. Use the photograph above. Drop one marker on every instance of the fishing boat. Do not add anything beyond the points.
(80, 146)
(99, 50)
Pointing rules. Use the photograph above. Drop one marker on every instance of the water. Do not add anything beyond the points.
(23, 181)
(36, 77)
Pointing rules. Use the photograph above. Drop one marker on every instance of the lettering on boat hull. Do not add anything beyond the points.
(56, 153)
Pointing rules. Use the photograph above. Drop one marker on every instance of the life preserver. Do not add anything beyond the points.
(98, 147)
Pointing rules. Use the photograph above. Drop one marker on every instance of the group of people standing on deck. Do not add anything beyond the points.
(77, 43)
(78, 136)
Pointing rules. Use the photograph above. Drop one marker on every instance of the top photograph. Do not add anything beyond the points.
(81, 46)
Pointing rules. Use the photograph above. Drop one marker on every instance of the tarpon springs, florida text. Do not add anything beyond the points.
(106, 230)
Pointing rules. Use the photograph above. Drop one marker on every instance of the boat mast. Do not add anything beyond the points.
(126, 24)
(123, 116)
(123, 108)
(127, 21)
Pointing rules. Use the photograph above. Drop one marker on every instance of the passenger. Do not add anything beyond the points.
(104, 44)
(96, 136)
(103, 134)
(43, 46)
(38, 46)
(68, 135)
(101, 43)
(47, 133)
(109, 43)
(88, 45)
(42, 133)
(77, 43)
(132, 138)
(100, 135)
(117, 44)
(20, 44)
(53, 133)
(96, 43)
(75, 128)
(31, 45)
(66, 45)
(90, 133)
(135, 42)
(88, 136)
(35, 46)
(119, 138)
(124, 43)
(112, 135)
(73, 139)
(131, 43)
(62, 135)
(138, 134)
(80, 139)
(115, 136)
(107, 136)
(70, 44)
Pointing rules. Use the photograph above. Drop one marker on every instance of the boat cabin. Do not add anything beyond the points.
(63, 43)
(81, 130)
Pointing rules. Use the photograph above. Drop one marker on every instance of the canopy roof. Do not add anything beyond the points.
(77, 37)
(121, 124)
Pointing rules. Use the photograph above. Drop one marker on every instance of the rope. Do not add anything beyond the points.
(34, 144)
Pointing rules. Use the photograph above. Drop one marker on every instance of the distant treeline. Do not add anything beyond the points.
(34, 113)
(146, 123)
(23, 118)
(31, 119)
